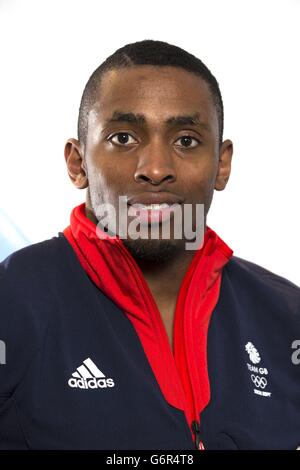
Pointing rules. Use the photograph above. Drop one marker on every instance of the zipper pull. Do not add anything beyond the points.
(196, 430)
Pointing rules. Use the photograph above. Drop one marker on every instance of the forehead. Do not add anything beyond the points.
(155, 92)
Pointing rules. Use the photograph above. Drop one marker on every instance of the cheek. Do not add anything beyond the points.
(200, 182)
(106, 180)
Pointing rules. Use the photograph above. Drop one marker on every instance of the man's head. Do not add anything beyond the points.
(150, 128)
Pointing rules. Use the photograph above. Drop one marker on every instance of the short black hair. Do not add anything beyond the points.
(147, 52)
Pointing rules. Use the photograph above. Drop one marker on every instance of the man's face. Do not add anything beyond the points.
(143, 143)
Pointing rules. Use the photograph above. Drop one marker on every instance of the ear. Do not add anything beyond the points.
(76, 164)
(224, 166)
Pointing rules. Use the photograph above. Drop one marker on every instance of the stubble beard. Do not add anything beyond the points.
(154, 251)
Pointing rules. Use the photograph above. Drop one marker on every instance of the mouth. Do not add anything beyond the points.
(154, 207)
(155, 199)
(153, 213)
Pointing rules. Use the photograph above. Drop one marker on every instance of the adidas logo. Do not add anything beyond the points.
(89, 376)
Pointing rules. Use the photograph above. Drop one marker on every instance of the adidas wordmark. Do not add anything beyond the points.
(89, 376)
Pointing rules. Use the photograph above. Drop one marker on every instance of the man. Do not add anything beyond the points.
(126, 342)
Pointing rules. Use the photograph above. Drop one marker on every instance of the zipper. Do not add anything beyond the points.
(196, 430)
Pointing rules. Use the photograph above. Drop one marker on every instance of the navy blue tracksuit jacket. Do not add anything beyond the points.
(75, 376)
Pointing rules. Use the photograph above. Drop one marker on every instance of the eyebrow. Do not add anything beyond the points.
(140, 120)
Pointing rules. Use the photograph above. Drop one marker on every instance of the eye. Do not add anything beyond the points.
(187, 141)
(122, 138)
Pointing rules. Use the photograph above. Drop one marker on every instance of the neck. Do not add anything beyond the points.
(164, 280)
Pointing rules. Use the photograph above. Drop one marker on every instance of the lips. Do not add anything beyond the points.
(154, 207)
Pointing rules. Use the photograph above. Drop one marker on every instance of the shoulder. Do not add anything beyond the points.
(34, 259)
(247, 269)
(29, 277)
(252, 280)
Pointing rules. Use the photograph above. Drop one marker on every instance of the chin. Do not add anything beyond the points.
(153, 251)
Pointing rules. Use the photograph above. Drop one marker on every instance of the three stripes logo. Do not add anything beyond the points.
(89, 376)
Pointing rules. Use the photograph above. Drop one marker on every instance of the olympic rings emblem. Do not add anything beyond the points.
(260, 382)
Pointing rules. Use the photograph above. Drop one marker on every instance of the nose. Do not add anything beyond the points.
(155, 165)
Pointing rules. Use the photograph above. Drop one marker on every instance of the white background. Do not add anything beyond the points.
(49, 49)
